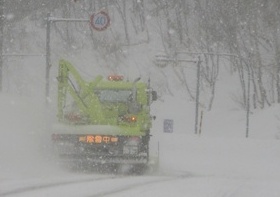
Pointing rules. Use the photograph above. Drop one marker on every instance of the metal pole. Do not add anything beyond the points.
(48, 47)
(1, 41)
(197, 95)
(48, 56)
(165, 58)
(248, 104)
(22, 55)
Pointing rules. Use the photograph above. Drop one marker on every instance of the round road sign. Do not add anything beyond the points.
(100, 21)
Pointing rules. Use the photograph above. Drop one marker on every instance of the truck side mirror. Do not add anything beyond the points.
(154, 96)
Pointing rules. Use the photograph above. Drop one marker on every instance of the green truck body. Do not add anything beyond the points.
(104, 120)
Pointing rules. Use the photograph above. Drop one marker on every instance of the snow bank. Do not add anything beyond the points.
(221, 157)
(221, 149)
(23, 141)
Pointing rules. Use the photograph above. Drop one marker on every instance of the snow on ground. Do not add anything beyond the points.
(24, 143)
(219, 162)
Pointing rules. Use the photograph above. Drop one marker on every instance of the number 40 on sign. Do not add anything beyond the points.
(100, 21)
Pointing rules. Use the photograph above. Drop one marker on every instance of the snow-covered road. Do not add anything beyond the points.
(182, 184)
(210, 165)
(200, 167)
(83, 185)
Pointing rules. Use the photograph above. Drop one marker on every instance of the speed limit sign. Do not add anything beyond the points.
(100, 21)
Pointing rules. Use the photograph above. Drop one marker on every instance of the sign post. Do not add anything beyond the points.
(98, 21)
(162, 61)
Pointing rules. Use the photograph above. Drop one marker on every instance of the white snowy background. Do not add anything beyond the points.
(220, 161)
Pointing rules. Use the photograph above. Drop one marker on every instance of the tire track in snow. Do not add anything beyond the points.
(132, 186)
(122, 188)
(53, 185)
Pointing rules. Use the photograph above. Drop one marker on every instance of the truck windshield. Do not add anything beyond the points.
(114, 95)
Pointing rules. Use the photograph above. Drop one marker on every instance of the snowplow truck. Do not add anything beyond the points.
(104, 120)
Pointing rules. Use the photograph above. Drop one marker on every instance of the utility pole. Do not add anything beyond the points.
(248, 104)
(197, 95)
(162, 61)
(1, 41)
(48, 56)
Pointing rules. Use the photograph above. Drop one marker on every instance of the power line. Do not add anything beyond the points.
(21, 55)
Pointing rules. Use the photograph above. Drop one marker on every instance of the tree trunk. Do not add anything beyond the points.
(277, 59)
(1, 41)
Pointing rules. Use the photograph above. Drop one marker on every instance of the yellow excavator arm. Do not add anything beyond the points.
(83, 95)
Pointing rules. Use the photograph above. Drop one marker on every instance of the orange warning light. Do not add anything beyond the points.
(115, 78)
(114, 139)
(106, 139)
(133, 118)
(98, 139)
(82, 139)
(90, 139)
